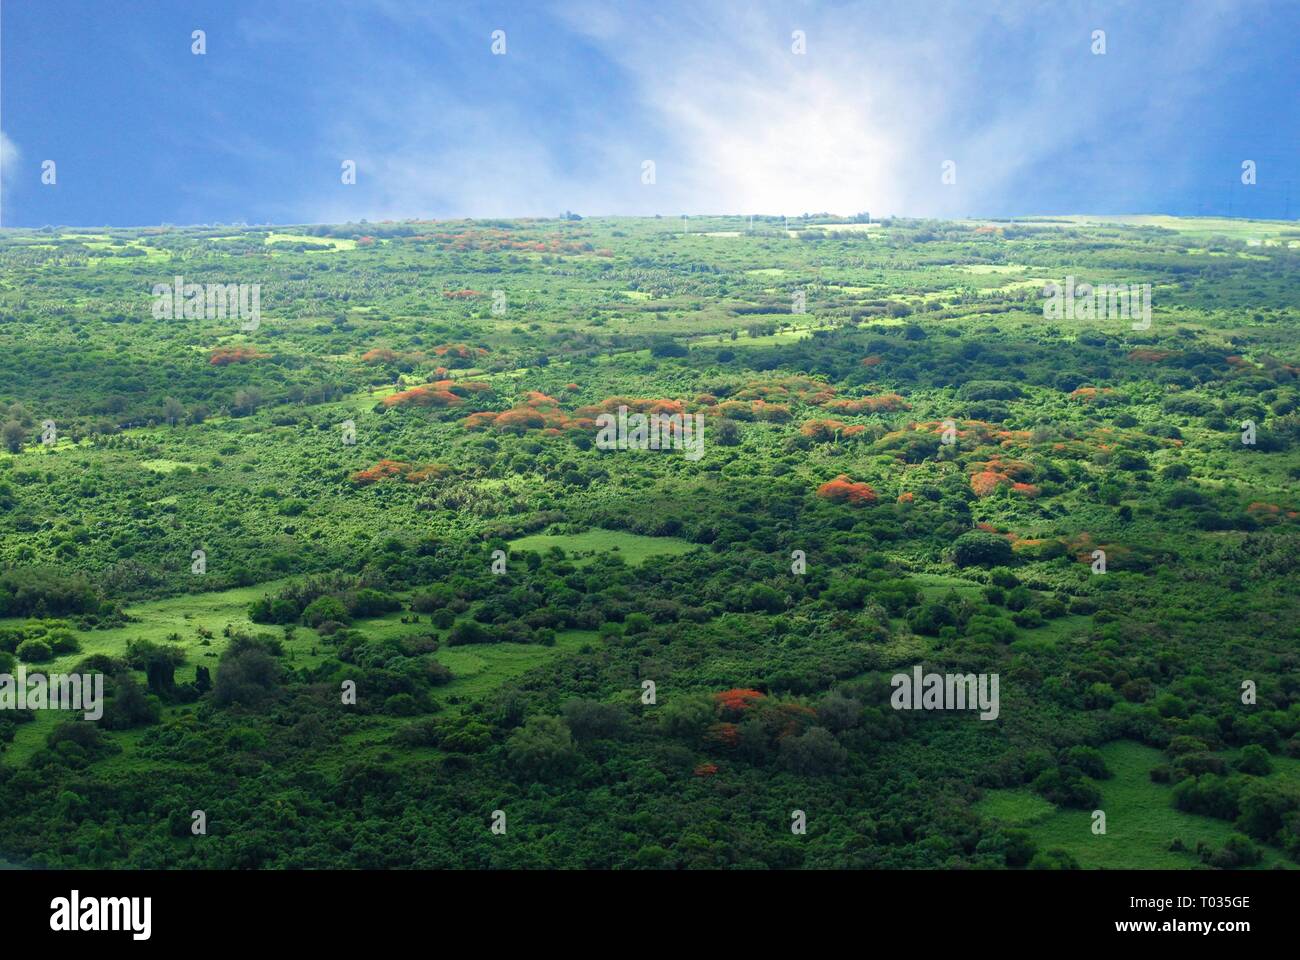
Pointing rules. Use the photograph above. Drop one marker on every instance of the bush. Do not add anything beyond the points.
(130, 705)
(63, 641)
(247, 674)
(35, 651)
(541, 748)
(1255, 761)
(370, 603)
(325, 608)
(1004, 578)
(1055, 859)
(1027, 619)
(590, 720)
(930, 618)
(465, 735)
(814, 753)
(1089, 761)
(1051, 608)
(401, 705)
(1067, 790)
(1020, 848)
(977, 548)
(1237, 852)
(429, 601)
(635, 623)
(425, 732)
(469, 632)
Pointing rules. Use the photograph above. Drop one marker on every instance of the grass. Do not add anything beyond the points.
(165, 466)
(936, 586)
(335, 243)
(157, 621)
(1141, 821)
(1195, 226)
(982, 268)
(1019, 807)
(1051, 633)
(476, 670)
(583, 548)
(479, 669)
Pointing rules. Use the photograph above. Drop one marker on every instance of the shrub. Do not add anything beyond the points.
(814, 753)
(636, 623)
(1055, 859)
(590, 720)
(247, 674)
(1088, 760)
(35, 651)
(1255, 761)
(468, 632)
(63, 641)
(1237, 852)
(977, 548)
(541, 748)
(325, 608)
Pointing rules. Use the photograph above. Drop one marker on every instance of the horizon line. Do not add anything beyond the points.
(1010, 218)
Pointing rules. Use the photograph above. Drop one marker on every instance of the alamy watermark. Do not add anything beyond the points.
(656, 431)
(55, 691)
(1105, 301)
(946, 691)
(75, 913)
(211, 301)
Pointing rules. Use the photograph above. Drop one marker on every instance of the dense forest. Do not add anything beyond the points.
(367, 592)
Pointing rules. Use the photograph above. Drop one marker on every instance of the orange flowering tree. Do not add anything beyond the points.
(844, 490)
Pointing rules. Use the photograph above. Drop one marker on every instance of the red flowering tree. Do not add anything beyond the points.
(732, 703)
(986, 482)
(223, 356)
(722, 735)
(844, 490)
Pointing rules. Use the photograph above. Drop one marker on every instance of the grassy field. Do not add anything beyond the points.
(476, 670)
(582, 548)
(1140, 818)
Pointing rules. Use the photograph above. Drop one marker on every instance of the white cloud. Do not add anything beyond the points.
(736, 122)
(10, 157)
(884, 94)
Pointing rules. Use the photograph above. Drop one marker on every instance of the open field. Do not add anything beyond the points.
(1140, 819)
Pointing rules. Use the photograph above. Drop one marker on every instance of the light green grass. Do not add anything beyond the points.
(987, 268)
(583, 547)
(336, 243)
(476, 670)
(935, 586)
(1017, 807)
(1237, 229)
(157, 621)
(1052, 633)
(1141, 821)
(479, 669)
(165, 466)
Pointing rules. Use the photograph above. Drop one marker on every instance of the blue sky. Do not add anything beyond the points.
(143, 131)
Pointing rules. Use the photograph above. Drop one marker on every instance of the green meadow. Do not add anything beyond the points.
(1141, 822)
